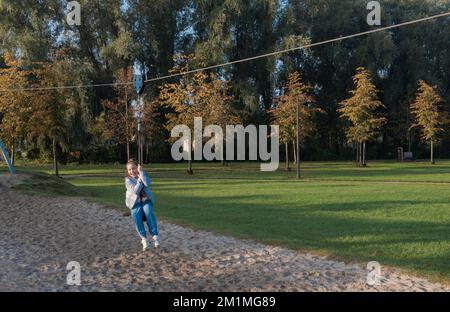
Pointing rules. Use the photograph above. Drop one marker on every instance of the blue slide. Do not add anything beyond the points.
(5, 155)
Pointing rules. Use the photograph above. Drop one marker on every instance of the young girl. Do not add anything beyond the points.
(140, 200)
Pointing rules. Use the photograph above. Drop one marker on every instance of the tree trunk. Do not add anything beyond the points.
(142, 151)
(138, 148)
(13, 152)
(287, 155)
(408, 138)
(295, 153)
(144, 155)
(298, 141)
(189, 170)
(298, 160)
(358, 154)
(431, 153)
(224, 144)
(126, 125)
(128, 149)
(55, 158)
(364, 154)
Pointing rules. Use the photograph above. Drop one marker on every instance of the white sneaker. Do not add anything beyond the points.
(144, 244)
(156, 241)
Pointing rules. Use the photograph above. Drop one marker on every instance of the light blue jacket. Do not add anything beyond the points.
(134, 187)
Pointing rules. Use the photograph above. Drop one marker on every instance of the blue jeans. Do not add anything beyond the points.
(137, 214)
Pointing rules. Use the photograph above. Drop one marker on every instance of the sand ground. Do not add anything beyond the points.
(39, 236)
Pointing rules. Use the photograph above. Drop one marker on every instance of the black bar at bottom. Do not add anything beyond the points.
(245, 301)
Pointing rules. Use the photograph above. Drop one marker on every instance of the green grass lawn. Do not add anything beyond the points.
(395, 213)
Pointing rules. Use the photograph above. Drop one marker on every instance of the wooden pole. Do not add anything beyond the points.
(55, 158)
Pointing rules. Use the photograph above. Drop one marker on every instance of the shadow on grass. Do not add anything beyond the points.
(391, 242)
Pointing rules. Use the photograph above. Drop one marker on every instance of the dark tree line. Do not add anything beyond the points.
(113, 34)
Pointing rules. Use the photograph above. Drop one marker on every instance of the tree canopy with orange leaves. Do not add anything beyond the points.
(360, 110)
(15, 107)
(296, 94)
(117, 123)
(427, 114)
(43, 116)
(197, 95)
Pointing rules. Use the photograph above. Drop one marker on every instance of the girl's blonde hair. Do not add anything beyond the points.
(131, 161)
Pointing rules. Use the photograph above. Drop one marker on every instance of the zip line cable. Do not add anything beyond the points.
(67, 87)
(241, 60)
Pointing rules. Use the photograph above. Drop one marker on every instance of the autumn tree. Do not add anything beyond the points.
(47, 120)
(199, 95)
(360, 111)
(59, 110)
(119, 123)
(179, 98)
(15, 106)
(296, 95)
(427, 114)
(182, 98)
(217, 103)
(151, 125)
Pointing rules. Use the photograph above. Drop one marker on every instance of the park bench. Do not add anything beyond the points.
(408, 156)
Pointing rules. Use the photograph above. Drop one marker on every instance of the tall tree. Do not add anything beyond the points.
(30, 28)
(297, 95)
(218, 103)
(160, 29)
(151, 127)
(202, 95)
(59, 114)
(180, 98)
(119, 121)
(427, 115)
(233, 29)
(15, 109)
(360, 111)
